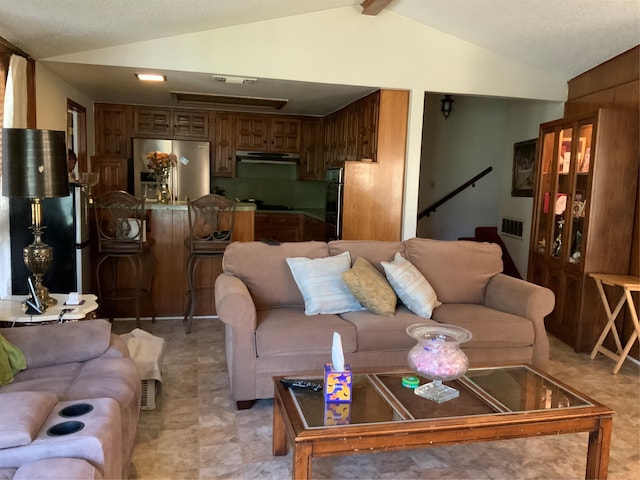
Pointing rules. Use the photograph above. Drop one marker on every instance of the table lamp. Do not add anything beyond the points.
(34, 166)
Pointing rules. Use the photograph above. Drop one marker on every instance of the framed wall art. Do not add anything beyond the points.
(524, 168)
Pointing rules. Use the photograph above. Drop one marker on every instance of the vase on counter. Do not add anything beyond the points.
(163, 191)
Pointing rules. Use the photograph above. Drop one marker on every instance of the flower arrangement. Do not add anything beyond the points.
(161, 163)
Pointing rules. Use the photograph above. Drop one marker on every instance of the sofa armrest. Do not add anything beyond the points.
(117, 348)
(234, 304)
(528, 300)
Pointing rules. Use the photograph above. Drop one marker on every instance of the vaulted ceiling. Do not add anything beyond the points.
(566, 37)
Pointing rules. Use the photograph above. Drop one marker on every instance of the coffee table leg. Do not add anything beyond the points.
(301, 461)
(598, 451)
(279, 431)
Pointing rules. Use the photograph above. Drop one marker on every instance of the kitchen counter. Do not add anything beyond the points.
(182, 205)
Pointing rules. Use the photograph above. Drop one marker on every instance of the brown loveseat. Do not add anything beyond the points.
(267, 332)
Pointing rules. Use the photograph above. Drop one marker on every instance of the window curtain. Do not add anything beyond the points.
(14, 114)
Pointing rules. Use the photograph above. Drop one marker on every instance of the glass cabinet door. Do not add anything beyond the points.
(580, 174)
(559, 203)
(546, 188)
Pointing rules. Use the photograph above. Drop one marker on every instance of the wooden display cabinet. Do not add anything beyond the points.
(587, 173)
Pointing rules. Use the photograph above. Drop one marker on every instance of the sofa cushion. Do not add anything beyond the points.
(381, 333)
(413, 289)
(50, 468)
(54, 344)
(320, 282)
(375, 251)
(370, 287)
(288, 331)
(55, 379)
(263, 268)
(490, 328)
(21, 416)
(458, 270)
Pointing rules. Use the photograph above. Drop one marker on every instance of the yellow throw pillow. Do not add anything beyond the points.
(370, 287)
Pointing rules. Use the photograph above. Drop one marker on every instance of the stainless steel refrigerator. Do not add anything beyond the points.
(67, 232)
(191, 177)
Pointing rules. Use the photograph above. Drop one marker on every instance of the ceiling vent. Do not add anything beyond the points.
(235, 80)
(229, 100)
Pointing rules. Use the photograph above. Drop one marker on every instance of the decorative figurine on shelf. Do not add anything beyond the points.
(557, 243)
(161, 163)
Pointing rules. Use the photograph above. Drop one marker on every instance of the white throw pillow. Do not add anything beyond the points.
(411, 287)
(320, 282)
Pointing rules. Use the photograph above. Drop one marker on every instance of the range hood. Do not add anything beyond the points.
(267, 157)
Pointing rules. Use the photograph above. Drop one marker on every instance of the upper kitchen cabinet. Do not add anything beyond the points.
(191, 124)
(112, 173)
(152, 122)
(368, 111)
(268, 134)
(312, 166)
(224, 151)
(586, 180)
(112, 129)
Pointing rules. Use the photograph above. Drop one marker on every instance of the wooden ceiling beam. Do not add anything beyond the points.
(373, 7)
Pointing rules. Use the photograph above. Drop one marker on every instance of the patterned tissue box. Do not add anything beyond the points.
(337, 385)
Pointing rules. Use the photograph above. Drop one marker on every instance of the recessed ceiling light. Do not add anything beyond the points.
(151, 77)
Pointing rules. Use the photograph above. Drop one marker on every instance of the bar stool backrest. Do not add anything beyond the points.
(211, 222)
(120, 221)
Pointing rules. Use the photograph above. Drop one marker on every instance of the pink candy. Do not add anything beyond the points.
(437, 360)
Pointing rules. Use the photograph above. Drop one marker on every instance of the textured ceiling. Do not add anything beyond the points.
(566, 37)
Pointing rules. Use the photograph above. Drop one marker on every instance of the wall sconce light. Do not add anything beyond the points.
(35, 167)
(447, 106)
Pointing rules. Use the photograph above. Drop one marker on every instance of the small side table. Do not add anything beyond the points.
(12, 310)
(629, 284)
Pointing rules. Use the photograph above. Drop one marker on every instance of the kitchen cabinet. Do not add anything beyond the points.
(112, 173)
(191, 124)
(368, 112)
(282, 227)
(312, 166)
(586, 179)
(264, 133)
(224, 150)
(314, 229)
(112, 129)
(152, 122)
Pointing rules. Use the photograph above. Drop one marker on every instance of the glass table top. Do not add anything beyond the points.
(380, 397)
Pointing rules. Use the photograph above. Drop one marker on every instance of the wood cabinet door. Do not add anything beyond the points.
(311, 157)
(112, 171)
(151, 122)
(224, 161)
(191, 124)
(251, 132)
(111, 129)
(368, 126)
(284, 135)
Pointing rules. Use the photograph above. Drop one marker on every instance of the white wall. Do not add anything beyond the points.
(51, 103)
(479, 133)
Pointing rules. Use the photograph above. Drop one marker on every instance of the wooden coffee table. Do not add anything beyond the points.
(494, 404)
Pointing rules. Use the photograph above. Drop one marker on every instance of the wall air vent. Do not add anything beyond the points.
(512, 227)
(234, 80)
(229, 100)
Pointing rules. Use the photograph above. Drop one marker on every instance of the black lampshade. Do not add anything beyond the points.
(34, 163)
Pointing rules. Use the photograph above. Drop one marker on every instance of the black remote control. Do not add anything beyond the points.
(302, 384)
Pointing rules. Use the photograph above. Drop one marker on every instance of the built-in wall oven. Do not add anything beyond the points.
(335, 187)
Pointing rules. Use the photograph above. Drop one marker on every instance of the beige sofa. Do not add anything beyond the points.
(69, 366)
(267, 332)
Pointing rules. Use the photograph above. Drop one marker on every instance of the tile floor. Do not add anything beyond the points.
(195, 431)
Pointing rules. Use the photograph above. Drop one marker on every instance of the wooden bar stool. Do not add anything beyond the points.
(211, 222)
(628, 284)
(121, 226)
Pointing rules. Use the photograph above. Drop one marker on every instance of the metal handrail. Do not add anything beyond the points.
(472, 182)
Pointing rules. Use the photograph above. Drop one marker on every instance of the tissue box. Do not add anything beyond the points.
(337, 385)
(337, 413)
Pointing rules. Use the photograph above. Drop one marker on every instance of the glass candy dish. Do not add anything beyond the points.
(438, 356)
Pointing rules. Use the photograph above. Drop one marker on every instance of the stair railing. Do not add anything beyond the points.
(470, 183)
